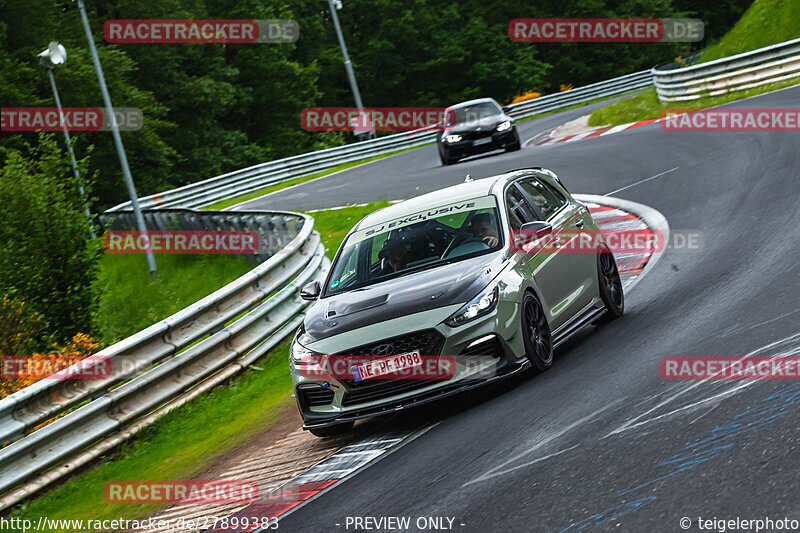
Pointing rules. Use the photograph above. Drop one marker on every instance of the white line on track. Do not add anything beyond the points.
(494, 472)
(642, 181)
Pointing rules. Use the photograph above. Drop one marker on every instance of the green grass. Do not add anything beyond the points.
(575, 106)
(333, 224)
(178, 446)
(131, 300)
(646, 105)
(277, 187)
(764, 23)
(186, 441)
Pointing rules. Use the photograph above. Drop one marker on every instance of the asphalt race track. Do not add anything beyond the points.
(601, 442)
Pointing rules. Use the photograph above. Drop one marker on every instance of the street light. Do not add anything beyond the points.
(335, 5)
(123, 159)
(56, 54)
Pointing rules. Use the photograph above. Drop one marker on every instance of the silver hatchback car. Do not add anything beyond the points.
(449, 291)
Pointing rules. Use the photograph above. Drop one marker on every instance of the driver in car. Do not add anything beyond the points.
(395, 253)
(482, 226)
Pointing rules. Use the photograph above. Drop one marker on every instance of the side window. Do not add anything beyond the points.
(519, 210)
(546, 201)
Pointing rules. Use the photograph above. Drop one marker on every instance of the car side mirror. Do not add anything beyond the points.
(507, 109)
(538, 228)
(311, 291)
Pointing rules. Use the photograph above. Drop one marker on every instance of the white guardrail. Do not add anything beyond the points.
(771, 64)
(257, 177)
(167, 364)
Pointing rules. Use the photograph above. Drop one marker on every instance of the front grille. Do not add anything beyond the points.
(370, 390)
(427, 342)
(472, 135)
(316, 396)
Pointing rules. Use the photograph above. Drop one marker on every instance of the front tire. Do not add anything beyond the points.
(445, 158)
(332, 431)
(513, 147)
(610, 287)
(536, 334)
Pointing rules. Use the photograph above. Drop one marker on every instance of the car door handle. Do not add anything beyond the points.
(579, 224)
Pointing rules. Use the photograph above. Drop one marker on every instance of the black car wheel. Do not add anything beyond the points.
(536, 334)
(332, 431)
(443, 155)
(610, 286)
(513, 147)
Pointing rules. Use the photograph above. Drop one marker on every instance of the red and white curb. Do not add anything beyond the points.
(596, 133)
(611, 213)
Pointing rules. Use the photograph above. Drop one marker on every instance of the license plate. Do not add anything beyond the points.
(387, 365)
(485, 140)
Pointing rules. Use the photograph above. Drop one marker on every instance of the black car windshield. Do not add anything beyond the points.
(472, 113)
(419, 241)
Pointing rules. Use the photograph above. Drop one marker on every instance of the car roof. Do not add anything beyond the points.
(462, 191)
(473, 102)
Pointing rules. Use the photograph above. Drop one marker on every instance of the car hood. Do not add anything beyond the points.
(420, 291)
(486, 124)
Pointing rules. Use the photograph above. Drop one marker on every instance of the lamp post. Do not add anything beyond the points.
(123, 160)
(56, 54)
(334, 5)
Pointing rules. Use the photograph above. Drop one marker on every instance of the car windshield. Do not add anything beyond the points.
(471, 113)
(430, 238)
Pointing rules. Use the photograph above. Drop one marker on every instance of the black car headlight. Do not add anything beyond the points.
(503, 126)
(481, 305)
(303, 356)
(452, 138)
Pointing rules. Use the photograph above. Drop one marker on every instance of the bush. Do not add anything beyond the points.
(47, 258)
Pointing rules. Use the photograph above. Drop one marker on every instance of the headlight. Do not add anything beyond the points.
(481, 305)
(302, 355)
(453, 138)
(503, 126)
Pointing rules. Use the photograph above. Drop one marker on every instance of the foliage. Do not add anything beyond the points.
(46, 256)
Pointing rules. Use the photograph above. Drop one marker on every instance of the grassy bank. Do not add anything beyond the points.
(131, 300)
(646, 105)
(764, 23)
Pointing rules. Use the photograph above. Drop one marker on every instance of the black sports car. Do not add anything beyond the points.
(476, 127)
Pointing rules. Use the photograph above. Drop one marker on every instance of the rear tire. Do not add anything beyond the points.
(332, 431)
(536, 334)
(610, 287)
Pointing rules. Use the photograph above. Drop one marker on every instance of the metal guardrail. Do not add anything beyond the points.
(257, 177)
(235, 325)
(742, 71)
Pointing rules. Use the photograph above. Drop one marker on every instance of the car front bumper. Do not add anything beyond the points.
(485, 350)
(466, 148)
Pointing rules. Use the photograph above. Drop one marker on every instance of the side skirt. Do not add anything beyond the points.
(585, 317)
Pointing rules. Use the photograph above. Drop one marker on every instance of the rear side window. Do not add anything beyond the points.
(546, 200)
(519, 210)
